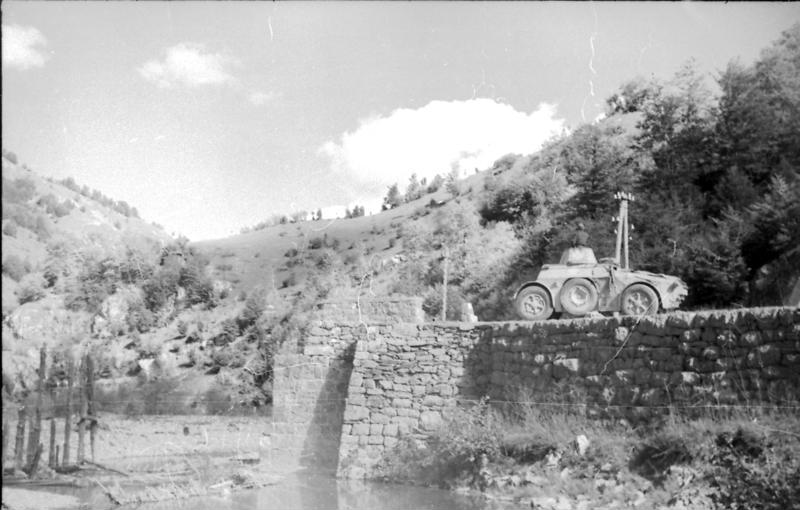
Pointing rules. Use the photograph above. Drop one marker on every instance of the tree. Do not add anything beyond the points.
(599, 161)
(436, 183)
(254, 307)
(392, 198)
(299, 216)
(452, 182)
(414, 189)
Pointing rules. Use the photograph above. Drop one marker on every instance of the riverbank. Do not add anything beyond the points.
(154, 458)
(553, 459)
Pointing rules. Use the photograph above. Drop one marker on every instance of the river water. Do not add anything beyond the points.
(320, 492)
(305, 491)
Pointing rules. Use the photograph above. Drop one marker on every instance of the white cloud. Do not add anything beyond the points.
(188, 64)
(259, 98)
(437, 137)
(23, 47)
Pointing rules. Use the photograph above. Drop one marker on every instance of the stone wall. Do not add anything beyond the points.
(406, 376)
(372, 311)
(310, 380)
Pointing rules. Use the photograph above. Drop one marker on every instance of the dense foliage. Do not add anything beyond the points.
(715, 180)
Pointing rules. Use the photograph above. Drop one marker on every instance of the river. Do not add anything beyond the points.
(305, 491)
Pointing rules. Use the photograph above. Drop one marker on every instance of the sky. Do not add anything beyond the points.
(213, 116)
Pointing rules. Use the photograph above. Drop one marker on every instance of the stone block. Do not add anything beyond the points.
(390, 430)
(355, 413)
(375, 440)
(318, 350)
(376, 401)
(445, 390)
(389, 441)
(360, 429)
(348, 439)
(378, 417)
(430, 420)
(791, 359)
(764, 356)
(691, 335)
(401, 403)
(432, 401)
(776, 372)
(358, 400)
(625, 377)
(376, 429)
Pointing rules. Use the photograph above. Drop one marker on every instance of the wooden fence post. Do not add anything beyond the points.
(6, 433)
(34, 448)
(51, 453)
(19, 444)
(90, 403)
(68, 421)
(82, 410)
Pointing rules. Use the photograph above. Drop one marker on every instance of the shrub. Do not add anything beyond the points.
(20, 190)
(290, 281)
(316, 243)
(15, 268)
(747, 473)
(253, 308)
(31, 288)
(217, 401)
(42, 228)
(230, 330)
(10, 229)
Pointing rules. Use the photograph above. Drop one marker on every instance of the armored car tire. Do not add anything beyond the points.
(533, 304)
(578, 297)
(639, 299)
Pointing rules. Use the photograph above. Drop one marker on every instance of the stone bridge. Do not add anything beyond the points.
(370, 373)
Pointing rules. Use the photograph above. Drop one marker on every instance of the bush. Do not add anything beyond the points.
(747, 473)
(31, 288)
(230, 330)
(316, 243)
(19, 190)
(254, 306)
(10, 229)
(15, 268)
(290, 281)
(42, 228)
(456, 452)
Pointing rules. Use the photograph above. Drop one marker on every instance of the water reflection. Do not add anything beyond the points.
(321, 492)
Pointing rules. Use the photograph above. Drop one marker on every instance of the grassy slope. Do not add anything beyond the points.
(259, 258)
(90, 222)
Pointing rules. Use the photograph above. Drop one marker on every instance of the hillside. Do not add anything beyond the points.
(39, 214)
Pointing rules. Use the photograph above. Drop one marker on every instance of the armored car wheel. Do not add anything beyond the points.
(578, 297)
(639, 299)
(533, 304)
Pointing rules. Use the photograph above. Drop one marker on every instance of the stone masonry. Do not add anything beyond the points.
(310, 380)
(401, 379)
